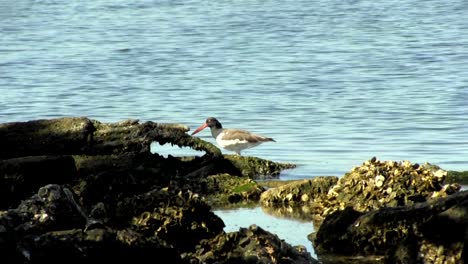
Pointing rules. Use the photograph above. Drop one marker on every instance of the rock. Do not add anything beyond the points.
(52, 208)
(224, 190)
(297, 199)
(298, 191)
(257, 168)
(111, 198)
(186, 217)
(460, 177)
(96, 245)
(248, 245)
(427, 232)
(378, 184)
(21, 177)
(80, 135)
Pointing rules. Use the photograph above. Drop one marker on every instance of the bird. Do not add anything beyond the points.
(232, 139)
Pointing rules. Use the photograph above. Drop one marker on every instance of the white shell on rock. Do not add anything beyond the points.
(379, 180)
(440, 173)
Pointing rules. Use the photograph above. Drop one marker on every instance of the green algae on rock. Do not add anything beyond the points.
(252, 167)
(258, 168)
(460, 177)
(229, 191)
(225, 190)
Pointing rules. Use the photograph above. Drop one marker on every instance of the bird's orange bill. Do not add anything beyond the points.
(200, 129)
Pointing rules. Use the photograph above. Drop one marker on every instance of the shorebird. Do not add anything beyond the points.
(232, 139)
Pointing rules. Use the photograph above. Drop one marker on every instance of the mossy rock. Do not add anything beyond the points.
(224, 190)
(258, 168)
(252, 167)
(460, 177)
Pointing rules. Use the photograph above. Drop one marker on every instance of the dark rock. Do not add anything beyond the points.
(21, 177)
(184, 216)
(112, 199)
(248, 245)
(68, 136)
(212, 166)
(94, 246)
(52, 208)
(45, 137)
(432, 228)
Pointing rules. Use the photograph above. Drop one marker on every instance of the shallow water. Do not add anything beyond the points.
(333, 82)
(291, 230)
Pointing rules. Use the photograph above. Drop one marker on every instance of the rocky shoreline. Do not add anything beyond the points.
(77, 190)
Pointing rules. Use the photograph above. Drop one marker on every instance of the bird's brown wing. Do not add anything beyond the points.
(242, 135)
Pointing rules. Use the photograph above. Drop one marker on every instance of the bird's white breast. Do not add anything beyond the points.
(235, 144)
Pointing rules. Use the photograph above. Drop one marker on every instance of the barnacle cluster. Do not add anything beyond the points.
(376, 184)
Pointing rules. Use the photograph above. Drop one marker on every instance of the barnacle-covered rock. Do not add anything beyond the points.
(192, 221)
(296, 199)
(393, 209)
(427, 232)
(298, 192)
(376, 184)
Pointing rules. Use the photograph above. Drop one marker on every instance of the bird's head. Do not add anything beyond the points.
(210, 122)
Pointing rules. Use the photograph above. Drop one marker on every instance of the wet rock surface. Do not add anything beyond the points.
(77, 190)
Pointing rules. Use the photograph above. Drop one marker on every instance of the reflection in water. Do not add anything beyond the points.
(297, 213)
(294, 232)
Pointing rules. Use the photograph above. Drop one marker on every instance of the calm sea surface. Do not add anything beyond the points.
(333, 82)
